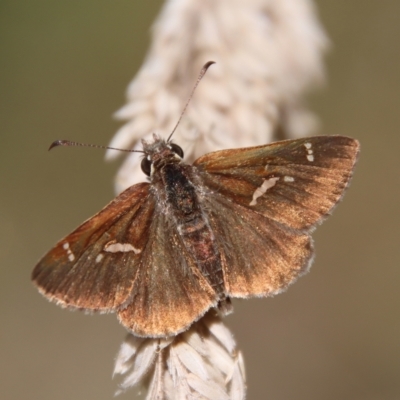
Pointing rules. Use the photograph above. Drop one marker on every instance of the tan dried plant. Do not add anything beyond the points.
(268, 53)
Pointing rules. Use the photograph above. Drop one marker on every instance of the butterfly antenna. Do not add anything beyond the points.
(202, 73)
(57, 143)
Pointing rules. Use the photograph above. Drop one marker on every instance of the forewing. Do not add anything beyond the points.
(80, 272)
(260, 256)
(169, 293)
(294, 182)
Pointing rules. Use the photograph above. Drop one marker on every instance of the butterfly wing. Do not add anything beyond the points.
(260, 256)
(169, 293)
(79, 273)
(263, 202)
(294, 182)
(128, 258)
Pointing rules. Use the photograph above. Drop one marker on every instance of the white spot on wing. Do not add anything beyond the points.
(99, 257)
(113, 247)
(310, 156)
(288, 179)
(267, 184)
(70, 254)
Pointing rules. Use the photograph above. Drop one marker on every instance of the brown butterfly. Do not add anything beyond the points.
(236, 223)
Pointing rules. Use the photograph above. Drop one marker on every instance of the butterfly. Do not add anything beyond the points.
(236, 223)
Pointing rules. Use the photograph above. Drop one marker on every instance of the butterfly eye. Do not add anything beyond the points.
(176, 149)
(146, 166)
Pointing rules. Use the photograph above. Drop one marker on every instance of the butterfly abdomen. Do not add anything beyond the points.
(192, 224)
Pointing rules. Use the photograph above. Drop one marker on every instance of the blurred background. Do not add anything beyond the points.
(64, 68)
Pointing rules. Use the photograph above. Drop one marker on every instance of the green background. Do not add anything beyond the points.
(64, 68)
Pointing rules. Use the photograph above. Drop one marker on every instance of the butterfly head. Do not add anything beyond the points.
(158, 153)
